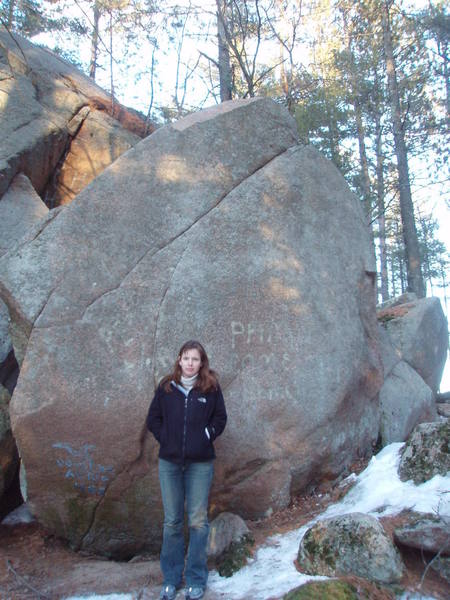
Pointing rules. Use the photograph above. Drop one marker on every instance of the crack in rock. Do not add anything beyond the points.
(169, 283)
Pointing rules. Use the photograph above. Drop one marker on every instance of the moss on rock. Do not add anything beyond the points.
(235, 556)
(324, 590)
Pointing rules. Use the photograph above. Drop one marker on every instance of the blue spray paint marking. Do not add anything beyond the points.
(78, 465)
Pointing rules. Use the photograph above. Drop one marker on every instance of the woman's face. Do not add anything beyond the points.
(190, 362)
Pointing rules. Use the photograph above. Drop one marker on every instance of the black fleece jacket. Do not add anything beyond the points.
(186, 426)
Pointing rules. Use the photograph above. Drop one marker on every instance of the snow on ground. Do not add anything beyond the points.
(378, 491)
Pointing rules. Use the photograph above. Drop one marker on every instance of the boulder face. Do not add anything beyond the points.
(418, 330)
(222, 228)
(427, 532)
(405, 401)
(44, 102)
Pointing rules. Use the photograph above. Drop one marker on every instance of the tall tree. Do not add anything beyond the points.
(94, 39)
(414, 274)
(224, 63)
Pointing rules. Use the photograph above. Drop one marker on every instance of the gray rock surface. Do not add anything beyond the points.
(219, 227)
(389, 355)
(353, 544)
(419, 332)
(5, 339)
(426, 452)
(425, 532)
(405, 401)
(21, 209)
(224, 529)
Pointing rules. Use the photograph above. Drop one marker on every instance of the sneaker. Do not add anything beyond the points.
(193, 593)
(168, 592)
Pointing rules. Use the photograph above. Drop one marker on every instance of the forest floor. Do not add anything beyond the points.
(36, 565)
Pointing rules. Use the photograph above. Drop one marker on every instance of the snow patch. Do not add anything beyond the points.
(378, 491)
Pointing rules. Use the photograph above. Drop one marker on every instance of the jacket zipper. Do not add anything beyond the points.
(184, 428)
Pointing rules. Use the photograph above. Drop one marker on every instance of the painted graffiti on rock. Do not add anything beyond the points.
(78, 465)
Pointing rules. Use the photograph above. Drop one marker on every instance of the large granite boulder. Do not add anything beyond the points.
(219, 227)
(352, 544)
(418, 330)
(44, 102)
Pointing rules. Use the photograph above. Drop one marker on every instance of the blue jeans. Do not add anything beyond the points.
(179, 484)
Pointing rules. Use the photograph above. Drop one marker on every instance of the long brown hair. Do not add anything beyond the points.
(207, 378)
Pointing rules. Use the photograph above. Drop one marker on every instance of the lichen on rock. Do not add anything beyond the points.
(426, 452)
(353, 544)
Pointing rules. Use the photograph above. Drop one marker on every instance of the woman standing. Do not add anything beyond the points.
(187, 413)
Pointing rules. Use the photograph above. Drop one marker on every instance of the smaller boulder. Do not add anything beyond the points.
(419, 332)
(335, 589)
(426, 452)
(353, 544)
(405, 401)
(326, 590)
(425, 532)
(225, 529)
(229, 543)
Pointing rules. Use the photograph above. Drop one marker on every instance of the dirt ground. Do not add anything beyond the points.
(36, 565)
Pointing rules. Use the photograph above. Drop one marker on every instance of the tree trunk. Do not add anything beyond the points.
(414, 275)
(225, 74)
(94, 41)
(111, 61)
(384, 284)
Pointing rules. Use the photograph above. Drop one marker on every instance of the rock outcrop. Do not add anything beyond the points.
(418, 330)
(413, 342)
(426, 452)
(353, 544)
(405, 401)
(21, 209)
(219, 227)
(430, 533)
(45, 104)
